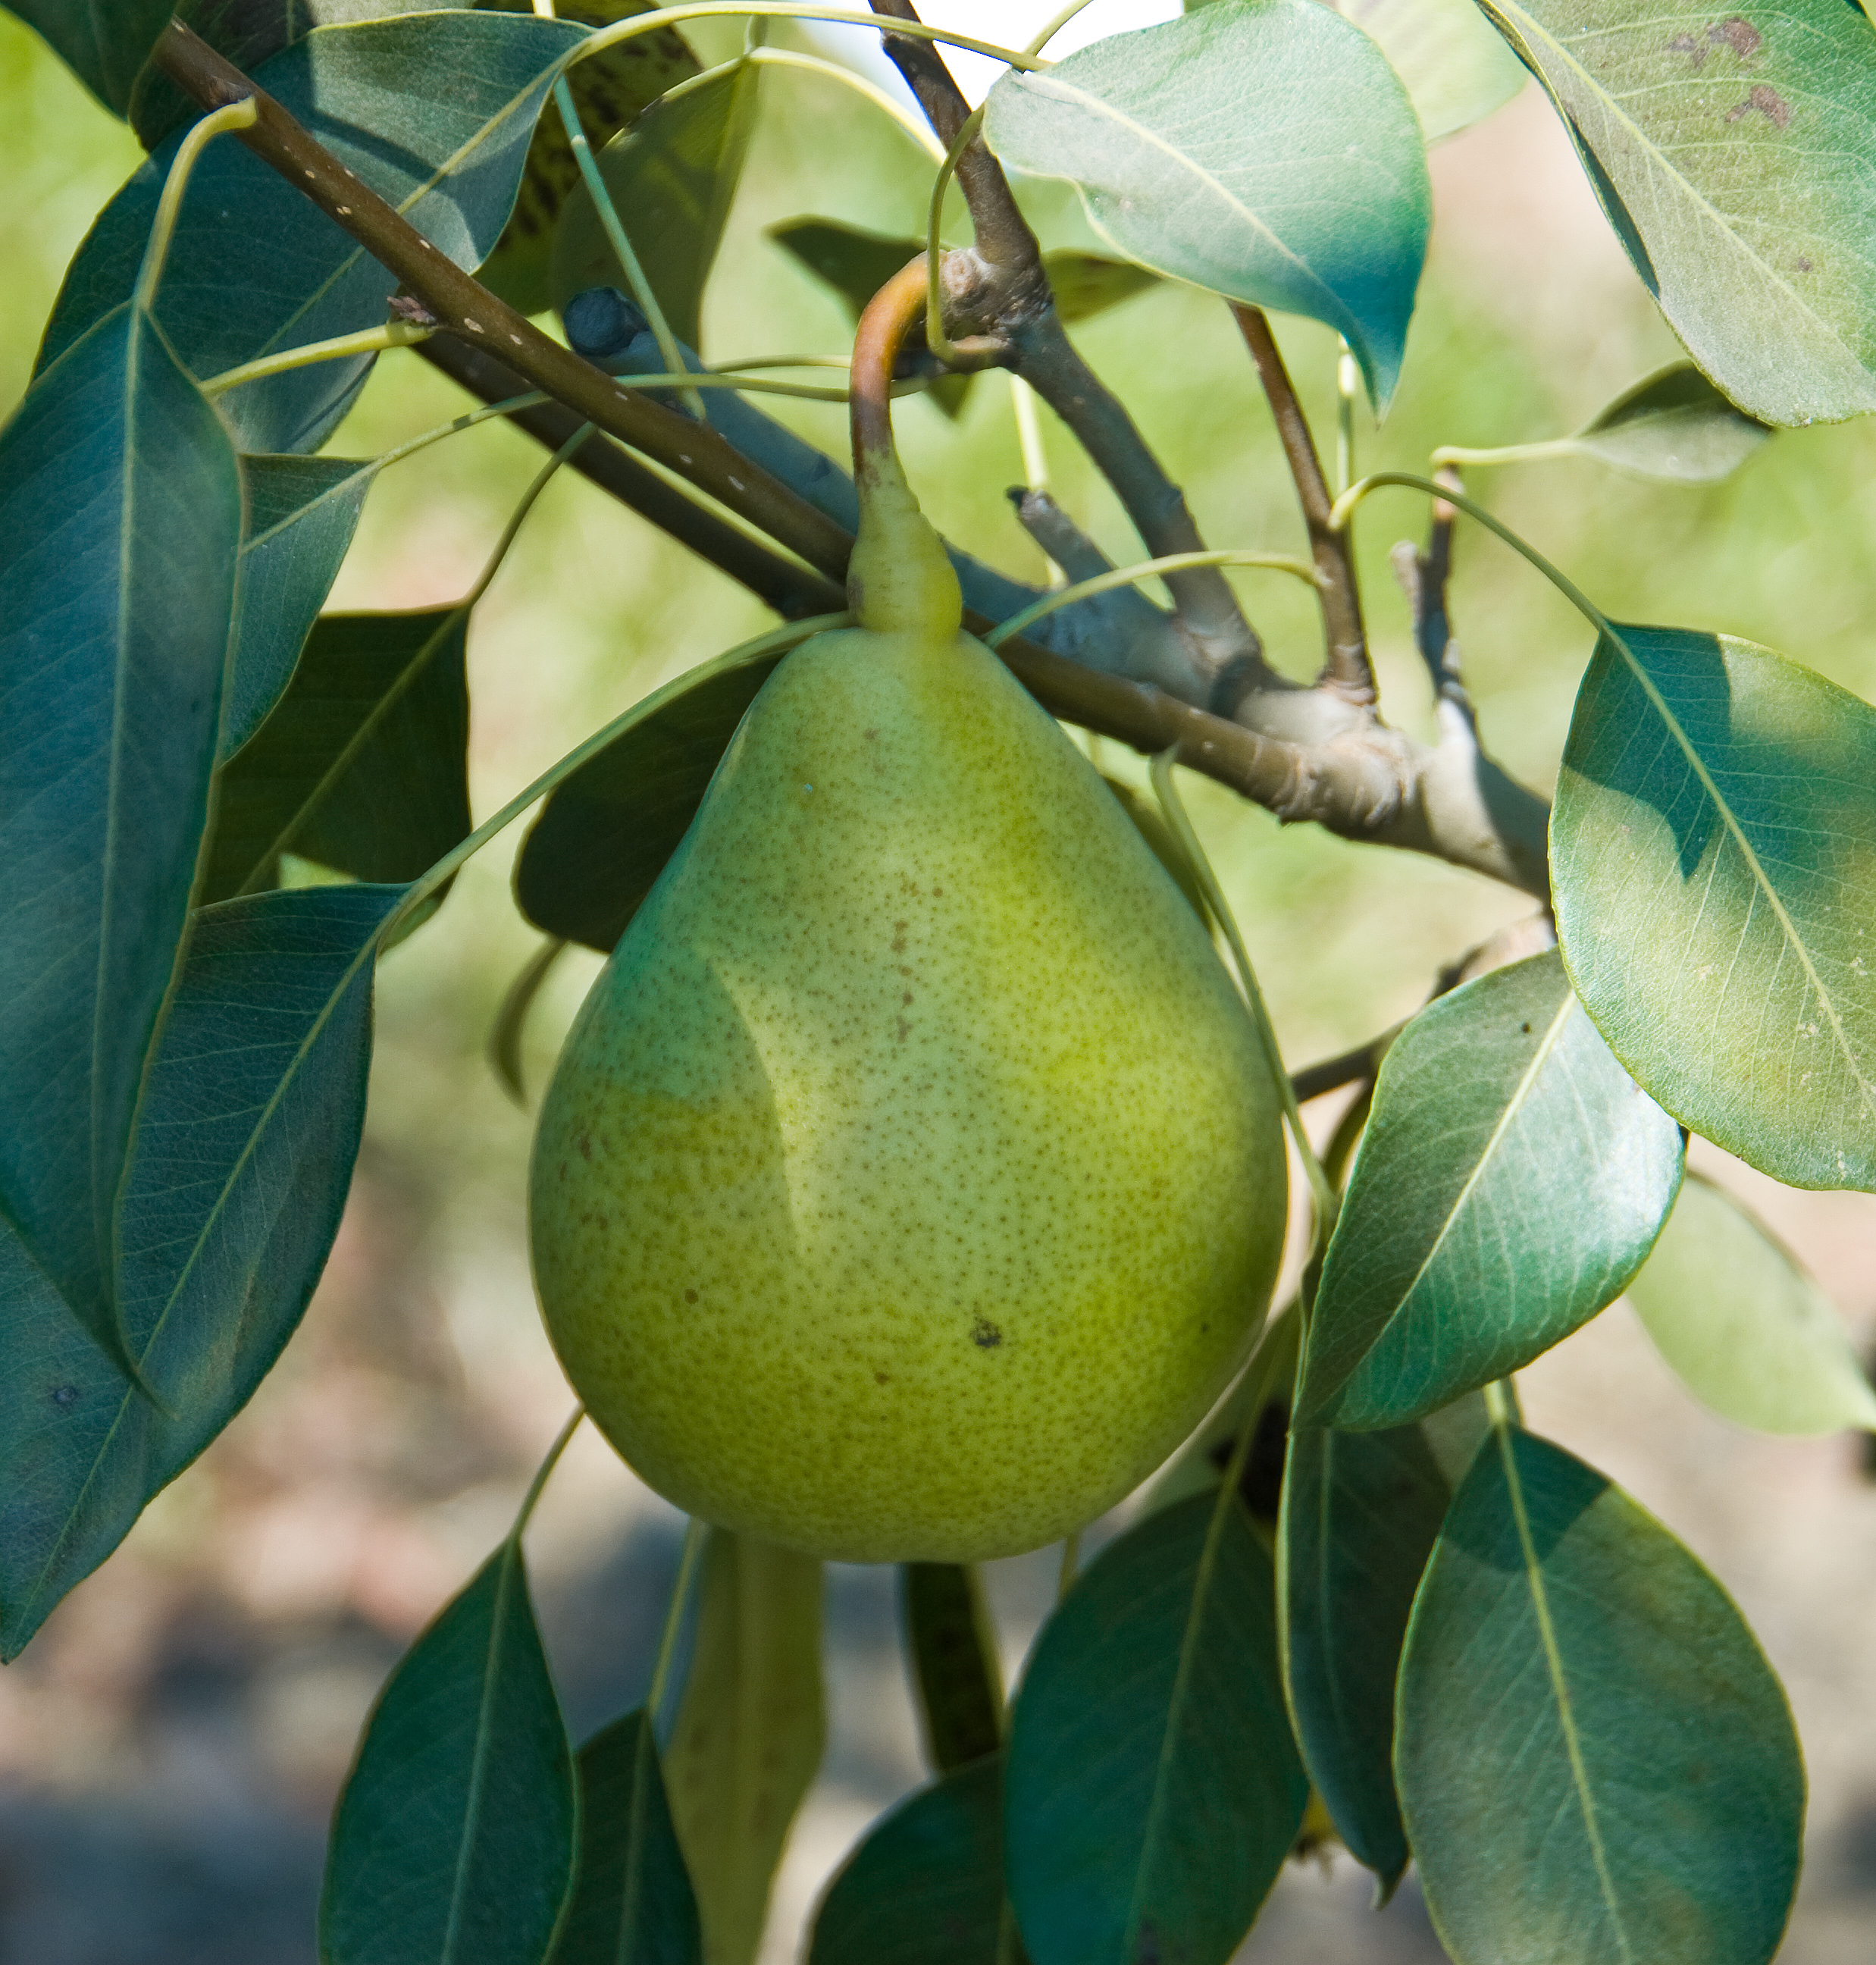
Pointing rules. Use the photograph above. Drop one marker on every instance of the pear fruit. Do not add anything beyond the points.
(912, 1180)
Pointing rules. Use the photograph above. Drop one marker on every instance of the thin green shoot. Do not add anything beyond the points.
(240, 115)
(366, 341)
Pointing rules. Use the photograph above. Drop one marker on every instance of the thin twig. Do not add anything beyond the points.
(459, 304)
(1347, 668)
(1005, 242)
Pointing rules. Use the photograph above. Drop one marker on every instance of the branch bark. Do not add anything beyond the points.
(1346, 669)
(472, 313)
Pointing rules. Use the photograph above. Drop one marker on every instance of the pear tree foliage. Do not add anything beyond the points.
(1364, 1602)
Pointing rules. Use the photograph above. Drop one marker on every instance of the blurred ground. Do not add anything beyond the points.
(170, 1743)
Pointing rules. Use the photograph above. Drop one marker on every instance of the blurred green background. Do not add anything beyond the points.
(214, 1674)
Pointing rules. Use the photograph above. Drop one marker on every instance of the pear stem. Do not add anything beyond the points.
(890, 316)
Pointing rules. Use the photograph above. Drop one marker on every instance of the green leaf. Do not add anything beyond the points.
(104, 43)
(248, 32)
(632, 1902)
(302, 513)
(1360, 1511)
(119, 522)
(432, 111)
(453, 1840)
(1713, 853)
(925, 1886)
(610, 91)
(602, 840)
(671, 178)
(363, 765)
(243, 1156)
(1456, 71)
(1510, 1181)
(1595, 1761)
(1184, 141)
(1734, 158)
(953, 1652)
(1153, 1788)
(504, 1044)
(1752, 1335)
(749, 1734)
(1674, 425)
(1085, 284)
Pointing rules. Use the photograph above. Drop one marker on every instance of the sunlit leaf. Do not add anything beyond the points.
(433, 110)
(1360, 1511)
(1595, 1761)
(925, 1886)
(1456, 69)
(952, 1651)
(1674, 425)
(1153, 1789)
(120, 523)
(1263, 148)
(1734, 154)
(748, 1737)
(632, 1902)
(1747, 1330)
(1512, 1178)
(453, 1840)
(363, 765)
(1713, 854)
(610, 90)
(603, 837)
(302, 513)
(243, 1153)
(671, 179)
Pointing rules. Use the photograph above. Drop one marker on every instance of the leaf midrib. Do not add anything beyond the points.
(1559, 1687)
(1761, 879)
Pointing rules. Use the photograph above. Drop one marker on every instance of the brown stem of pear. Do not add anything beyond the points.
(891, 316)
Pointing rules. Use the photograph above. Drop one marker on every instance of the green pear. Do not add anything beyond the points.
(912, 1181)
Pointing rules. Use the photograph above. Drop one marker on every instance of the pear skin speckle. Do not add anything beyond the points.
(912, 1180)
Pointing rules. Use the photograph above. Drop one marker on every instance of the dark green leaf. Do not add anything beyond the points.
(453, 1842)
(1153, 1788)
(953, 1652)
(1510, 1181)
(603, 837)
(632, 1902)
(243, 1156)
(1675, 424)
(1595, 1761)
(749, 1736)
(1360, 1511)
(248, 32)
(302, 513)
(1748, 1331)
(671, 180)
(120, 523)
(432, 111)
(1734, 156)
(363, 766)
(1455, 69)
(610, 91)
(1713, 852)
(1085, 284)
(1184, 140)
(104, 43)
(925, 1886)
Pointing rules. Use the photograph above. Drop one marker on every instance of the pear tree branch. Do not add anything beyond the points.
(1360, 779)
